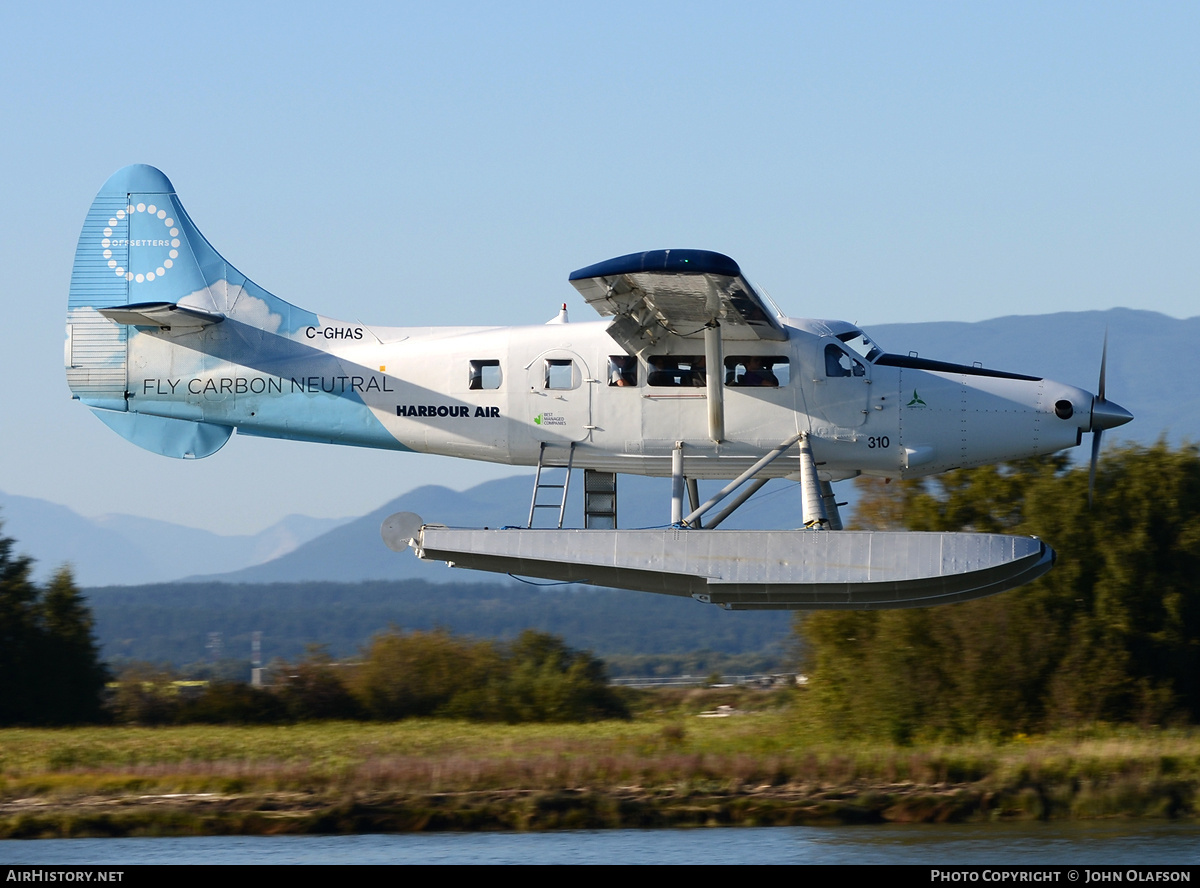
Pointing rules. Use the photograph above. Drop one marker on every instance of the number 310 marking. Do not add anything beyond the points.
(882, 442)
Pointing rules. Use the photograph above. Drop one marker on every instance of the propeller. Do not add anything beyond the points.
(1105, 415)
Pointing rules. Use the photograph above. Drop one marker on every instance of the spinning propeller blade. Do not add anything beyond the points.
(1105, 415)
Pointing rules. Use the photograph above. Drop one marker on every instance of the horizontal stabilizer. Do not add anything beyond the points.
(757, 569)
(180, 438)
(164, 315)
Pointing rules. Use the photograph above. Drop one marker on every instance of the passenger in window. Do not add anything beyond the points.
(664, 371)
(668, 370)
(758, 373)
(622, 370)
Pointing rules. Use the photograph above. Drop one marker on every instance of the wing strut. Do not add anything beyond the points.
(715, 374)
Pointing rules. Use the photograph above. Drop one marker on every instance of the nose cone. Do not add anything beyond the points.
(1108, 415)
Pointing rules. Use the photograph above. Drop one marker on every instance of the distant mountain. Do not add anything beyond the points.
(56, 536)
(127, 550)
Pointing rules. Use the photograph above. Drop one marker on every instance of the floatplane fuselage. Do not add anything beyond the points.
(693, 375)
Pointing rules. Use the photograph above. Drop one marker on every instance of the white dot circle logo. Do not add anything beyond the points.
(169, 240)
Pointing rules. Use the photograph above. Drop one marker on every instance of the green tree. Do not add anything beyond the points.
(313, 688)
(536, 678)
(50, 672)
(145, 694)
(419, 673)
(70, 658)
(544, 680)
(1113, 632)
(233, 702)
(19, 637)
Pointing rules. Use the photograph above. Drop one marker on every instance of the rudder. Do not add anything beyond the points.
(138, 247)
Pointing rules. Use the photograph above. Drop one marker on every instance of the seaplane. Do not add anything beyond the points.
(689, 372)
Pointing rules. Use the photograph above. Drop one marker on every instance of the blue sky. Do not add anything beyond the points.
(433, 163)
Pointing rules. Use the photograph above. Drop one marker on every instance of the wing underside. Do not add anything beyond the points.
(659, 294)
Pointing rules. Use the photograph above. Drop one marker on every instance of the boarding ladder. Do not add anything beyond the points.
(599, 500)
(539, 485)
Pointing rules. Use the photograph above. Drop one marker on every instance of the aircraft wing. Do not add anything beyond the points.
(662, 293)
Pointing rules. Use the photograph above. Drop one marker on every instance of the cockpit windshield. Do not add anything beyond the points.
(857, 341)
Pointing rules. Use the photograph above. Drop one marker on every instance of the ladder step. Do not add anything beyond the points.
(539, 485)
(599, 499)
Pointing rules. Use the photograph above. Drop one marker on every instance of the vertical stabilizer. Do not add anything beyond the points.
(173, 347)
(137, 247)
(106, 270)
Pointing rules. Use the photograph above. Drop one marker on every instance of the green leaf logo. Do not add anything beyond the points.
(916, 401)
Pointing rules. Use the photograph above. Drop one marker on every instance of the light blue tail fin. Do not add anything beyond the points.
(141, 262)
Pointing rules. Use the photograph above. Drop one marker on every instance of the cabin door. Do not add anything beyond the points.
(560, 402)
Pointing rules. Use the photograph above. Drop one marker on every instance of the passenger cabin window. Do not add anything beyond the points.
(676, 370)
(622, 370)
(484, 375)
(769, 371)
(560, 374)
(838, 363)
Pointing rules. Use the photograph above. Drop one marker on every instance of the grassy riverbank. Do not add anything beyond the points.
(661, 769)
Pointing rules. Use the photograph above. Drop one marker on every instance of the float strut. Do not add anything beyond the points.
(831, 506)
(677, 484)
(692, 520)
(810, 488)
(748, 491)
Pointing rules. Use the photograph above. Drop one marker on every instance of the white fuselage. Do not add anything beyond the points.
(500, 393)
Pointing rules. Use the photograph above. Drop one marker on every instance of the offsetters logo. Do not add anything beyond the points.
(169, 243)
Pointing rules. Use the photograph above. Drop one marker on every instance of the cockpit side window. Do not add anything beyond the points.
(838, 363)
(484, 375)
(858, 342)
(770, 371)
